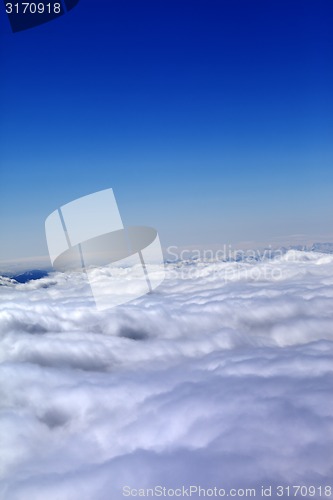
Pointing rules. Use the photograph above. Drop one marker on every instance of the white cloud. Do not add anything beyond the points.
(221, 380)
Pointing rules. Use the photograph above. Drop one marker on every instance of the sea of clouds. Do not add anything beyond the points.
(222, 377)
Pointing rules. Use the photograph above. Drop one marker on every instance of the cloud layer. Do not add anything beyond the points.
(221, 377)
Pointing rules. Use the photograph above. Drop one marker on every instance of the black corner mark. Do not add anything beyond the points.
(70, 4)
(24, 15)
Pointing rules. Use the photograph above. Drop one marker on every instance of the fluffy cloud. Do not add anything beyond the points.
(221, 377)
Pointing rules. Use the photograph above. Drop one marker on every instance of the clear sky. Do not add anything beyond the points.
(211, 120)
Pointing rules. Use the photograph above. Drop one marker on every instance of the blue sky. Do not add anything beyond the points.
(211, 120)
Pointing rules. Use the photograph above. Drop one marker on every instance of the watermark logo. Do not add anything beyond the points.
(88, 235)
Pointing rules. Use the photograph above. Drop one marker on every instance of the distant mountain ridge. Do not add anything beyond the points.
(36, 274)
(322, 247)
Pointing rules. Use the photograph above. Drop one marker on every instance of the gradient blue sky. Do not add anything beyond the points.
(211, 120)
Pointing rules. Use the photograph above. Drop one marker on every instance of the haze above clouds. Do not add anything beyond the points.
(222, 377)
